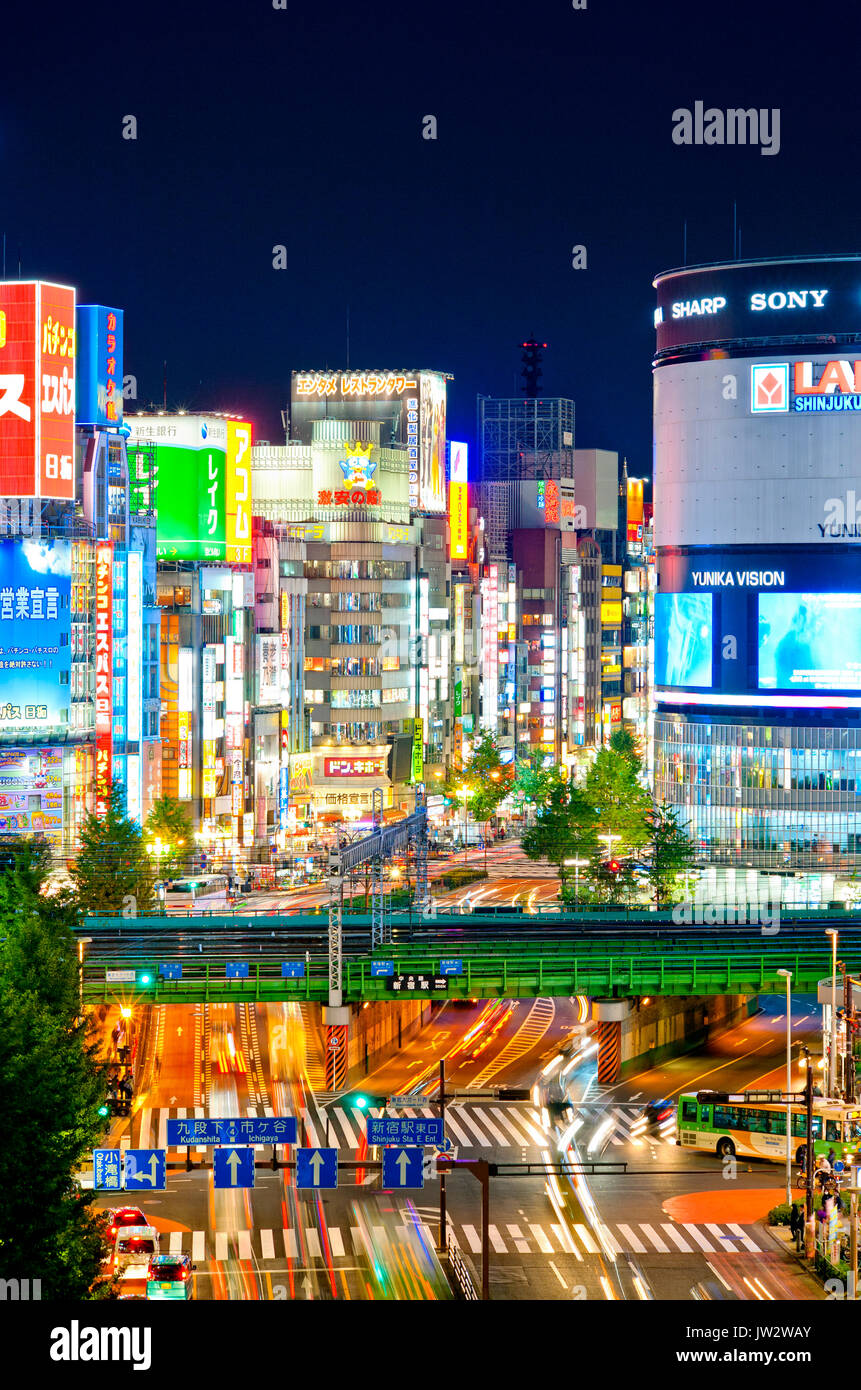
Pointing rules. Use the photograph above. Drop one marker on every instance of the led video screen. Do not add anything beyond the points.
(810, 641)
(683, 639)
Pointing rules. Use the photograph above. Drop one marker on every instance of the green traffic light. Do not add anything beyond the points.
(103, 1110)
(362, 1102)
(146, 979)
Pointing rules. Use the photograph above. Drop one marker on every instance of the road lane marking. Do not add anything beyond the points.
(585, 1236)
(520, 1244)
(558, 1275)
(267, 1245)
(676, 1236)
(336, 1242)
(496, 1241)
(313, 1240)
(175, 1243)
(244, 1241)
(198, 1246)
(543, 1243)
(745, 1239)
(634, 1241)
(473, 1238)
(651, 1234)
(699, 1237)
(220, 1247)
(290, 1247)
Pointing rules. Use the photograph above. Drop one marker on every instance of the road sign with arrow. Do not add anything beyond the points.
(145, 1170)
(233, 1167)
(403, 1167)
(316, 1168)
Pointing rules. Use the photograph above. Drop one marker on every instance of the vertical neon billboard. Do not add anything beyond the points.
(104, 673)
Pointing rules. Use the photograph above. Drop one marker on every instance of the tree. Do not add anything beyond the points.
(620, 802)
(112, 870)
(534, 783)
(671, 850)
(483, 782)
(566, 827)
(623, 743)
(51, 1088)
(168, 836)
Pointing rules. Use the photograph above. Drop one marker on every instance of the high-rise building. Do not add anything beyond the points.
(757, 422)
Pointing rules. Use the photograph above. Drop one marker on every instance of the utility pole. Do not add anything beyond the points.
(443, 1226)
(480, 1169)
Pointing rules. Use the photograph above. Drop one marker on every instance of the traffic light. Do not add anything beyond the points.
(613, 866)
(104, 1111)
(360, 1100)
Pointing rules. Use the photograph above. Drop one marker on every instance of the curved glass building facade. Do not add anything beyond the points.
(757, 431)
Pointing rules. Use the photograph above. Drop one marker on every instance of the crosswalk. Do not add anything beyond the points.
(468, 1127)
(298, 1244)
(625, 1128)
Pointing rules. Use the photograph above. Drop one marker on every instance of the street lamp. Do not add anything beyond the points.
(609, 836)
(576, 865)
(82, 942)
(787, 975)
(832, 1068)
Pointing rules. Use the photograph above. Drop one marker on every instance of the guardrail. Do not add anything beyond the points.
(498, 974)
(460, 1273)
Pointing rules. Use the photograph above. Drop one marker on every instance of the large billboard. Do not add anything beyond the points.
(31, 792)
(760, 451)
(810, 641)
(683, 639)
(458, 501)
(758, 299)
(411, 403)
(35, 626)
(99, 386)
(104, 675)
(37, 389)
(197, 468)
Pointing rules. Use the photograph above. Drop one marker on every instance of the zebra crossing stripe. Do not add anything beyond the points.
(744, 1239)
(634, 1241)
(615, 1247)
(651, 1234)
(699, 1238)
(267, 1245)
(496, 1241)
(175, 1243)
(313, 1240)
(473, 1239)
(345, 1125)
(450, 1124)
(290, 1248)
(470, 1122)
(220, 1246)
(244, 1242)
(541, 1240)
(358, 1240)
(335, 1241)
(726, 1242)
(519, 1243)
(565, 1241)
(198, 1246)
(507, 1120)
(676, 1236)
(585, 1237)
(491, 1127)
(312, 1133)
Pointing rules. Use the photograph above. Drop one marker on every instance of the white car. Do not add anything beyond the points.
(133, 1249)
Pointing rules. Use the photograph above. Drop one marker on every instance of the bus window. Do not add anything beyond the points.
(777, 1123)
(832, 1131)
(706, 1114)
(689, 1110)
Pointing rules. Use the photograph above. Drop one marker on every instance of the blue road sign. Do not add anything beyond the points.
(316, 1167)
(292, 970)
(451, 967)
(170, 971)
(146, 1170)
(236, 971)
(387, 1131)
(233, 1167)
(382, 967)
(274, 1129)
(403, 1167)
(107, 1174)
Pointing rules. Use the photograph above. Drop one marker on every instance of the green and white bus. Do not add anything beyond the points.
(726, 1125)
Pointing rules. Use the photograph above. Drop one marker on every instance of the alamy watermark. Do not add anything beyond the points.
(723, 912)
(735, 126)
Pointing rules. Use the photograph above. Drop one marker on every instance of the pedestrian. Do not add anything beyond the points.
(796, 1225)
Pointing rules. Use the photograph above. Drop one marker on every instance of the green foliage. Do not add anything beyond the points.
(458, 877)
(51, 1086)
(780, 1215)
(112, 866)
(483, 781)
(670, 852)
(624, 745)
(620, 802)
(566, 827)
(533, 784)
(169, 823)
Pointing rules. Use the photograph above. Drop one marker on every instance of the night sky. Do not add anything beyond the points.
(303, 127)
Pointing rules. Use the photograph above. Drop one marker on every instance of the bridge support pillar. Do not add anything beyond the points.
(336, 1021)
(608, 1014)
